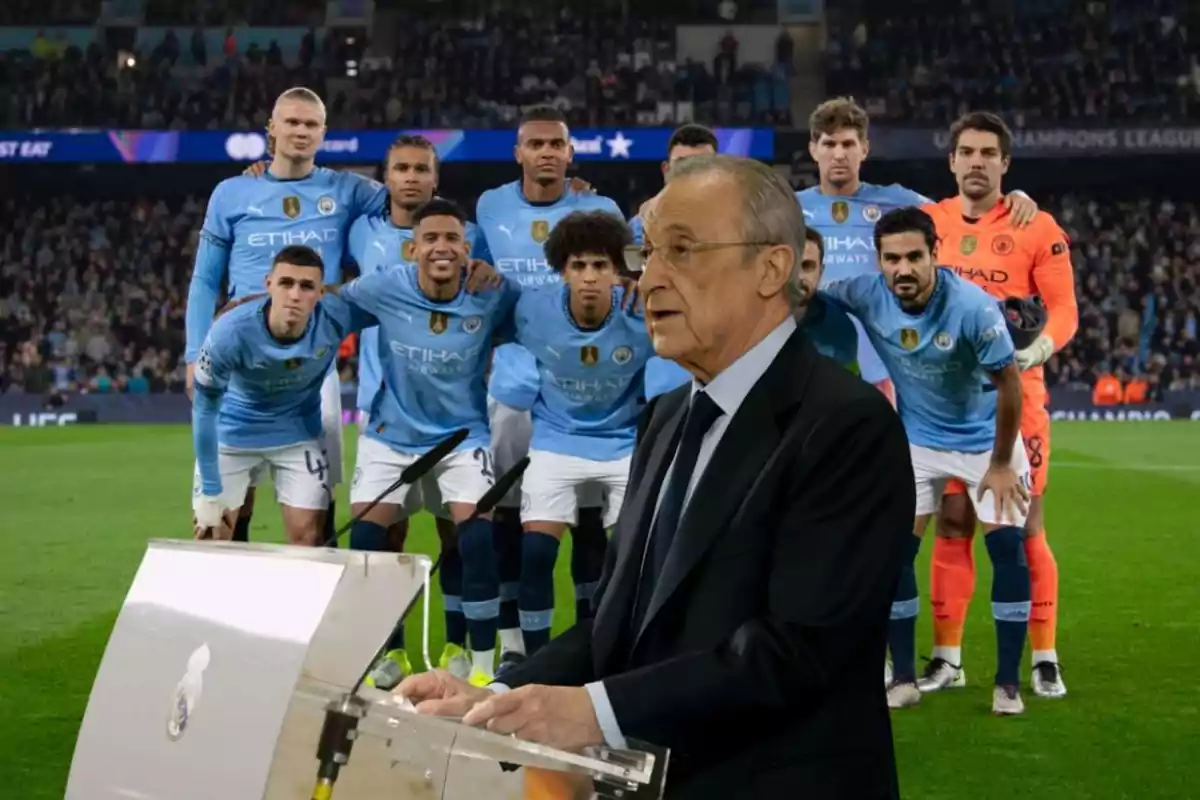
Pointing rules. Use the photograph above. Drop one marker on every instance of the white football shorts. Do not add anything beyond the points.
(300, 473)
(934, 467)
(554, 487)
(461, 477)
(331, 428)
(424, 495)
(512, 431)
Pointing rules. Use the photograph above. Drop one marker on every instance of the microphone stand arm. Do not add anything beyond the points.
(337, 739)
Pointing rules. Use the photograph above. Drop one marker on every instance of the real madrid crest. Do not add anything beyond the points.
(943, 341)
(439, 321)
(291, 206)
(472, 324)
(540, 230)
(187, 693)
(968, 244)
(408, 250)
(589, 355)
(909, 338)
(872, 214)
(841, 211)
(621, 356)
(326, 205)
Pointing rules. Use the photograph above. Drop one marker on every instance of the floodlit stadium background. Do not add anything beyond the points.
(112, 135)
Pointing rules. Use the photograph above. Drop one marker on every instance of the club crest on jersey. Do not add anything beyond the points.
(326, 205)
(621, 356)
(1003, 244)
(589, 355)
(408, 250)
(291, 206)
(841, 211)
(439, 321)
(540, 230)
(872, 213)
(909, 338)
(293, 363)
(472, 324)
(968, 244)
(943, 341)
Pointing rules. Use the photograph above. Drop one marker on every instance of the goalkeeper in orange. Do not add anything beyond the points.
(1033, 261)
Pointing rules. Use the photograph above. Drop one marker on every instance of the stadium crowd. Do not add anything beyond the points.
(1054, 61)
(474, 73)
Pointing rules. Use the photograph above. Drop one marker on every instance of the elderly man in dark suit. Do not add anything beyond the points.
(742, 614)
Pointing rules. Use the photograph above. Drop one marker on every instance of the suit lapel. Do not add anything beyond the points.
(616, 604)
(745, 447)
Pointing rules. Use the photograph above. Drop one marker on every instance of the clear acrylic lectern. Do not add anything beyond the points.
(229, 661)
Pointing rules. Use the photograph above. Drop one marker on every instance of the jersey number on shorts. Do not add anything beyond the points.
(316, 465)
(484, 457)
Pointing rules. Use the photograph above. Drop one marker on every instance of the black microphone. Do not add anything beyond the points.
(411, 474)
(492, 497)
(489, 501)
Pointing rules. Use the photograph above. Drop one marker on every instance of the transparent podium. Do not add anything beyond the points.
(234, 671)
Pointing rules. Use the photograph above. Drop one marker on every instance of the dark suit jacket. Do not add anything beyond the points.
(758, 662)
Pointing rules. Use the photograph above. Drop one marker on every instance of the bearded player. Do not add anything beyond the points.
(844, 208)
(249, 220)
(979, 240)
(515, 220)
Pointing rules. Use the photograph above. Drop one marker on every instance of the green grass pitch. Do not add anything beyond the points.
(77, 505)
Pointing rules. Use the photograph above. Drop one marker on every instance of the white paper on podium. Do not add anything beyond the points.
(207, 653)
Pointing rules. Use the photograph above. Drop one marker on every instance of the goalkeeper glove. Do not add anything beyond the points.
(1036, 354)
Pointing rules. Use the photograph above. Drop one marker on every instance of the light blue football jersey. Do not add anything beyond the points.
(515, 231)
(847, 224)
(663, 376)
(268, 392)
(592, 381)
(939, 359)
(377, 243)
(433, 356)
(249, 220)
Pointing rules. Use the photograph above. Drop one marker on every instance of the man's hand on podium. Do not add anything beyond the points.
(440, 694)
(562, 717)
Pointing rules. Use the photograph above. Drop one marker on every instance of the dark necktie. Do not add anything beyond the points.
(700, 417)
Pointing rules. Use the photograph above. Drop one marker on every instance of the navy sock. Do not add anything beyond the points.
(450, 578)
(396, 640)
(902, 627)
(480, 582)
(330, 525)
(589, 543)
(1010, 600)
(368, 536)
(539, 551)
(509, 536)
(241, 530)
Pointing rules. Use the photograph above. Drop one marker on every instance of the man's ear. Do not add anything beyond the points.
(775, 270)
